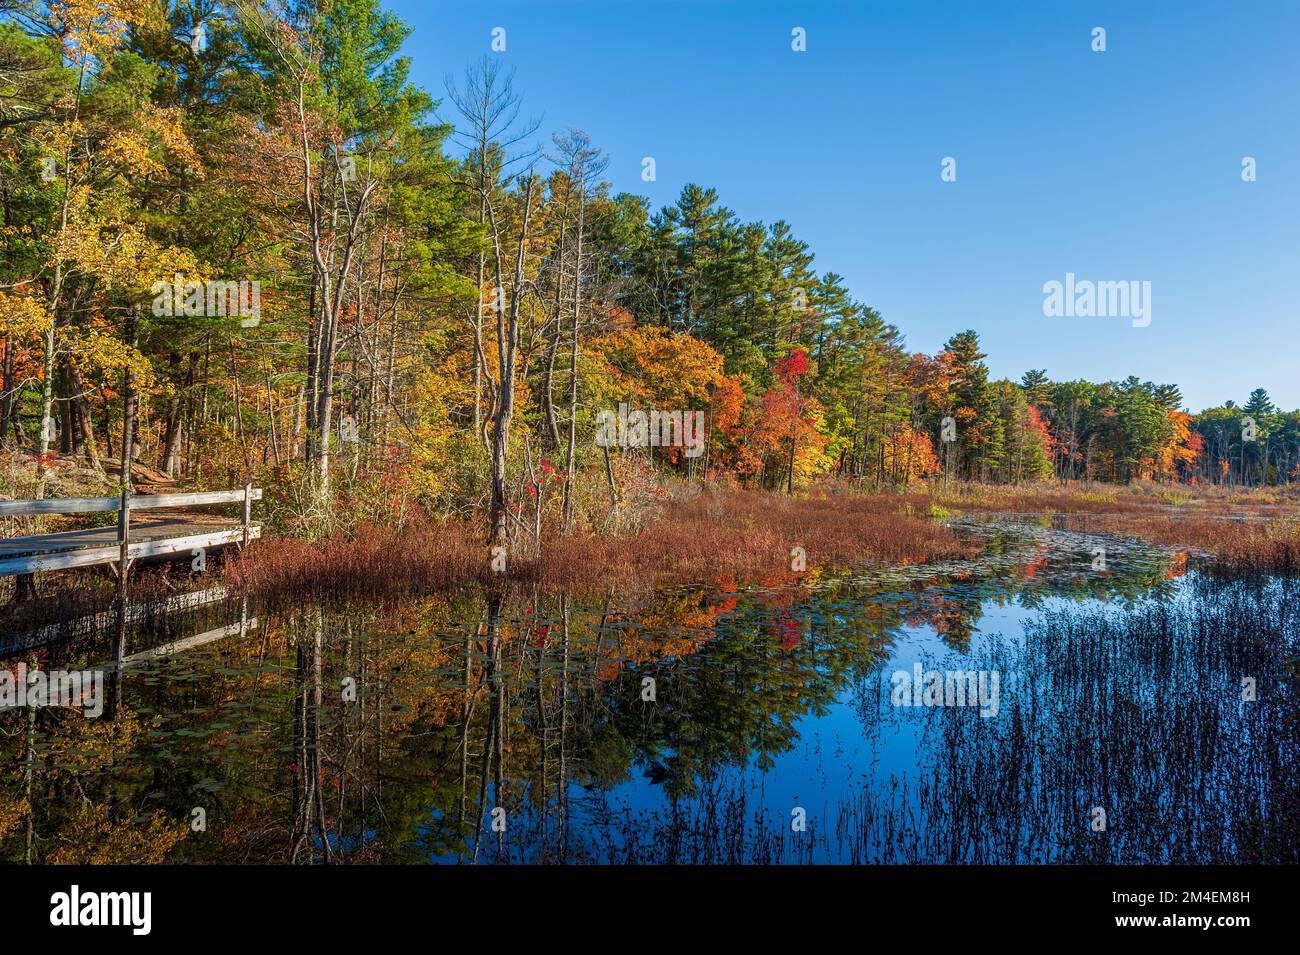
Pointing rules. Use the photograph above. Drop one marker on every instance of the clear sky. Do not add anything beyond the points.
(1122, 165)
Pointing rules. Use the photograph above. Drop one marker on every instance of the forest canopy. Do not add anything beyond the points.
(390, 298)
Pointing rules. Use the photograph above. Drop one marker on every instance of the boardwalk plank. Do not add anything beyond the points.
(148, 529)
(156, 546)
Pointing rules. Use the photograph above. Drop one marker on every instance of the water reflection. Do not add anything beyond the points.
(690, 724)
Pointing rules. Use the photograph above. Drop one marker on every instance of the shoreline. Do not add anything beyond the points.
(726, 537)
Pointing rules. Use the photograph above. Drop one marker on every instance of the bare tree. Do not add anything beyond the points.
(507, 335)
(336, 194)
(584, 164)
(490, 132)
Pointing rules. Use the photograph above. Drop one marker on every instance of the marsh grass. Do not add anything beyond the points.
(1239, 530)
(743, 536)
(1232, 545)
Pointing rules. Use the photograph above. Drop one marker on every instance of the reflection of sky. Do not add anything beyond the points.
(861, 738)
(838, 749)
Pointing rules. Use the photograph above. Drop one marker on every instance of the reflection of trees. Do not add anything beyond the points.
(309, 838)
(737, 699)
(477, 700)
(51, 758)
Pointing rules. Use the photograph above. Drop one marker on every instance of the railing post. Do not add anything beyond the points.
(124, 534)
(248, 510)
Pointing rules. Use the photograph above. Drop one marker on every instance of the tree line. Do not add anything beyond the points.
(241, 244)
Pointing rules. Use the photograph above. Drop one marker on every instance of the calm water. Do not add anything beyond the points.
(772, 734)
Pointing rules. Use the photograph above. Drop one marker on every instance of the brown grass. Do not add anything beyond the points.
(736, 536)
(1138, 497)
(1241, 530)
(1234, 544)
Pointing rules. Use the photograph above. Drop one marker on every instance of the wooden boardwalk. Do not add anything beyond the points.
(144, 538)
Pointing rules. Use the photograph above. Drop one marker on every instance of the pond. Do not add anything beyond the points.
(1065, 697)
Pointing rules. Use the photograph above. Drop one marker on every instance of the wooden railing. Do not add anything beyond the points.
(122, 552)
(139, 502)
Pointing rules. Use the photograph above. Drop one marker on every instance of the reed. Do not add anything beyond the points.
(744, 535)
(1237, 530)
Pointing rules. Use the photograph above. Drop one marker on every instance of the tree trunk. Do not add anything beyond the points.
(507, 349)
(570, 467)
(128, 404)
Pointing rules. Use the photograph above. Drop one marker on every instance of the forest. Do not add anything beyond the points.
(241, 245)
(409, 493)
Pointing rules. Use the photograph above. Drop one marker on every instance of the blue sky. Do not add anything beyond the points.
(1122, 165)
